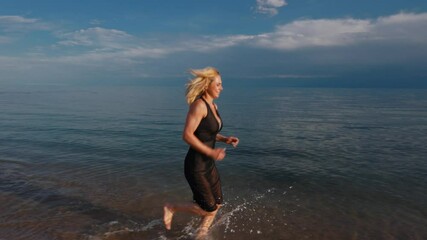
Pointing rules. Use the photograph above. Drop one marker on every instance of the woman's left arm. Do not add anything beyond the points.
(229, 140)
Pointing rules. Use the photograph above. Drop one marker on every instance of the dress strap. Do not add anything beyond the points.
(219, 120)
(206, 102)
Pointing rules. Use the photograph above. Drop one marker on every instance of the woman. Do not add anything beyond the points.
(201, 131)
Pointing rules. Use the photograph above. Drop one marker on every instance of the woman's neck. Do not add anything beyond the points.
(208, 98)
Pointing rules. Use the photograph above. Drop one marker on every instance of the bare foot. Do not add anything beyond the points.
(167, 216)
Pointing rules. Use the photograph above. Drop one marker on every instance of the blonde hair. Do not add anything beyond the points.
(198, 85)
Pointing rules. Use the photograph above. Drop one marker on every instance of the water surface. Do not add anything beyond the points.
(99, 162)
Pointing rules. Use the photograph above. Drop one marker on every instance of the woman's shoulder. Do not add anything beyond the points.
(199, 106)
(198, 102)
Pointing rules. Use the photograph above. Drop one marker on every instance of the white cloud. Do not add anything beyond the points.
(108, 45)
(16, 19)
(108, 42)
(269, 7)
(212, 43)
(12, 23)
(96, 37)
(95, 22)
(403, 27)
(310, 33)
(409, 27)
(403, 18)
(11, 26)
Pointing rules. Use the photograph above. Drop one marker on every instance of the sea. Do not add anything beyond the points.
(99, 162)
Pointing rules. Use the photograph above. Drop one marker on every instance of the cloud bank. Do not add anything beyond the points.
(287, 52)
(402, 27)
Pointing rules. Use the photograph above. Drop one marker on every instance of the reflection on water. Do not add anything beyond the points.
(99, 163)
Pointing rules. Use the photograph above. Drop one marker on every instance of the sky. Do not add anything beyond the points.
(342, 43)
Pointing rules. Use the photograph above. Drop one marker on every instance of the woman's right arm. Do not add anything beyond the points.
(196, 113)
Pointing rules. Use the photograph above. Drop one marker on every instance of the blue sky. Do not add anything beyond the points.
(331, 43)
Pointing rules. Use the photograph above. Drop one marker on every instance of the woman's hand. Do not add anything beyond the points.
(232, 140)
(217, 154)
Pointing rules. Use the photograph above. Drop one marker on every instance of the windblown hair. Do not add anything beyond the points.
(198, 85)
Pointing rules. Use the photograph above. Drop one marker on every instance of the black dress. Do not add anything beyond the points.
(200, 170)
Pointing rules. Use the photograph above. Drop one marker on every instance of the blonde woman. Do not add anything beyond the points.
(201, 131)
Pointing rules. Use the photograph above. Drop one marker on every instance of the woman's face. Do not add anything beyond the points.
(215, 87)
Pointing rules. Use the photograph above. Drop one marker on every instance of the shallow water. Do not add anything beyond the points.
(99, 162)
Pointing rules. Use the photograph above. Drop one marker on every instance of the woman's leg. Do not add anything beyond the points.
(167, 215)
(206, 223)
(192, 208)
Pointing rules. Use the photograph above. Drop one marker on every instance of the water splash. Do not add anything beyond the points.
(250, 216)
(247, 215)
(190, 230)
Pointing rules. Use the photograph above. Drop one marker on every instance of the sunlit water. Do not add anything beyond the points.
(99, 162)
